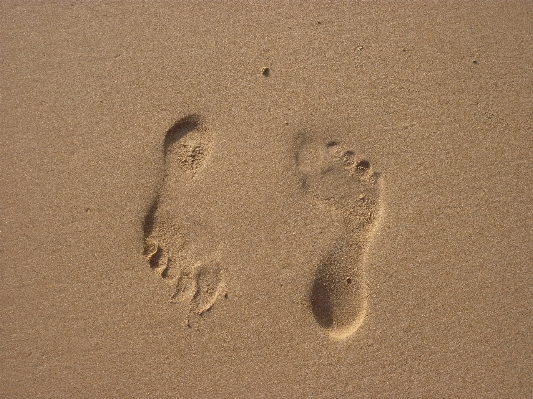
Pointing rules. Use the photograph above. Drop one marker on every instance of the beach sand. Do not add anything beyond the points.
(237, 200)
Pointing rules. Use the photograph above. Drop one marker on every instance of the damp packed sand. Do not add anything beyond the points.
(235, 200)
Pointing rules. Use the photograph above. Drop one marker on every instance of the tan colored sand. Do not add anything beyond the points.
(438, 98)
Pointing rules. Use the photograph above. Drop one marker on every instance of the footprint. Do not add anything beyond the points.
(183, 251)
(200, 287)
(209, 285)
(346, 187)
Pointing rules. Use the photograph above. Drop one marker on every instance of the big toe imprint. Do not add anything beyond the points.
(346, 187)
(183, 251)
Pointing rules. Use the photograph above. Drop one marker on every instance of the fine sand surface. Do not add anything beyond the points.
(278, 200)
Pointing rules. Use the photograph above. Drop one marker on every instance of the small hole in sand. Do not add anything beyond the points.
(349, 280)
(363, 165)
(332, 144)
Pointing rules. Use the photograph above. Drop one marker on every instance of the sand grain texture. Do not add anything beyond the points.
(266, 200)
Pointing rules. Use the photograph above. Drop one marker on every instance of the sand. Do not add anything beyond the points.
(235, 200)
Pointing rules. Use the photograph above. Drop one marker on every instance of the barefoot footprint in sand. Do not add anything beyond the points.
(183, 251)
(346, 187)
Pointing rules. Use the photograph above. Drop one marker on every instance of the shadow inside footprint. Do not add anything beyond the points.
(179, 130)
(335, 296)
(149, 219)
(321, 303)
